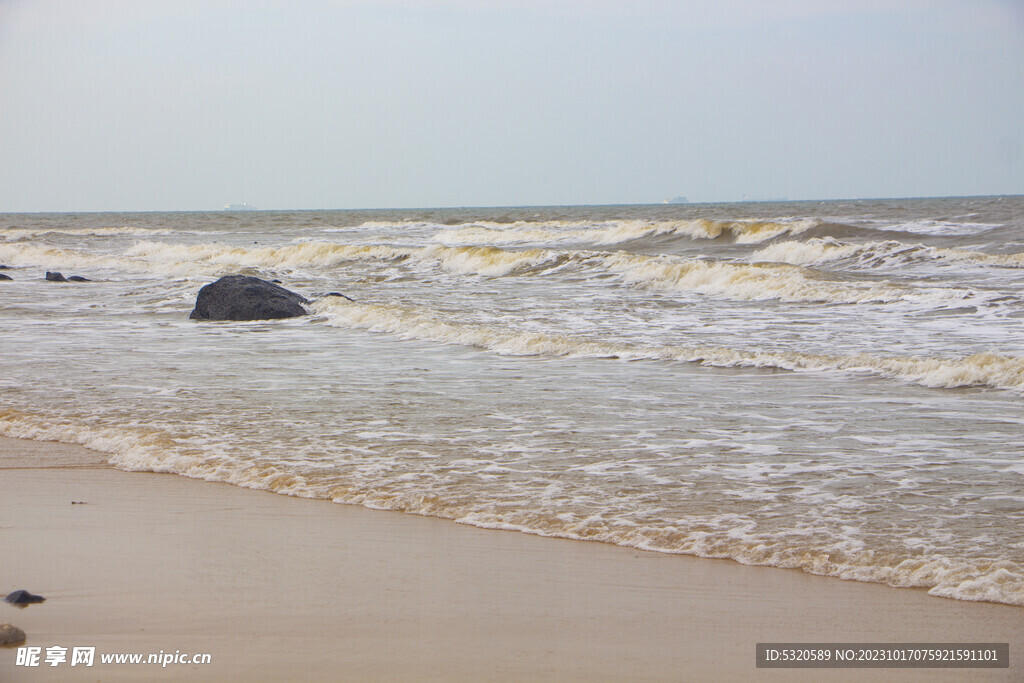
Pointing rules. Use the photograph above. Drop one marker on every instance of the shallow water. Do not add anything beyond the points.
(833, 386)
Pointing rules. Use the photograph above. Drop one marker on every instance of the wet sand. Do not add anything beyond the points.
(278, 588)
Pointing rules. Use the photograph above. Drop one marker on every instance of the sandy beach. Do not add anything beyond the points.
(278, 588)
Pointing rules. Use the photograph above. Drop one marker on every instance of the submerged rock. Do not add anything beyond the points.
(5, 277)
(242, 297)
(11, 635)
(78, 278)
(55, 277)
(23, 597)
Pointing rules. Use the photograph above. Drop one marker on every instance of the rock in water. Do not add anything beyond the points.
(242, 297)
(57, 276)
(5, 277)
(11, 635)
(23, 597)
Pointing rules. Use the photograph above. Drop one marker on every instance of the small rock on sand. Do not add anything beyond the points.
(10, 635)
(23, 597)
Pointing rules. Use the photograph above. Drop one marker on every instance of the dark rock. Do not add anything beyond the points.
(11, 636)
(242, 297)
(3, 267)
(55, 277)
(339, 294)
(5, 277)
(78, 278)
(276, 282)
(23, 597)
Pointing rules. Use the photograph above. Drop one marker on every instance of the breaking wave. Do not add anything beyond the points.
(493, 262)
(725, 536)
(728, 279)
(486, 261)
(619, 232)
(199, 260)
(734, 280)
(977, 370)
(23, 254)
(763, 281)
(938, 228)
(126, 231)
(339, 407)
(817, 251)
(220, 257)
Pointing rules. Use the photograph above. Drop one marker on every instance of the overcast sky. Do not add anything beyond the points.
(318, 104)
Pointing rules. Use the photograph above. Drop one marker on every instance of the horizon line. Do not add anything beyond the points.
(523, 206)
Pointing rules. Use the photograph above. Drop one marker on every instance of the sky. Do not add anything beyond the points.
(154, 105)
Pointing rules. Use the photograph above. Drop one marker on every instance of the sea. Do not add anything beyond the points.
(835, 387)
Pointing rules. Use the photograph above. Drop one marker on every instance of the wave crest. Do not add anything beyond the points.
(620, 232)
(125, 231)
(890, 253)
(724, 536)
(981, 369)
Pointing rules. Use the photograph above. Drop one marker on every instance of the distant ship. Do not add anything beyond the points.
(239, 207)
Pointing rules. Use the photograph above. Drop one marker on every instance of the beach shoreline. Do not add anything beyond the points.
(278, 588)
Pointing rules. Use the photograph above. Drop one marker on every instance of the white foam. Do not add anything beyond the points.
(619, 231)
(644, 455)
(842, 553)
(873, 254)
(732, 280)
(980, 369)
(762, 281)
(489, 261)
(940, 227)
(125, 231)
(30, 254)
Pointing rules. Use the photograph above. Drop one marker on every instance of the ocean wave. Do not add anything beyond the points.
(619, 232)
(890, 253)
(764, 281)
(722, 536)
(28, 254)
(125, 231)
(728, 279)
(388, 225)
(977, 370)
(485, 261)
(491, 261)
(198, 260)
(141, 445)
(733, 280)
(736, 538)
(225, 257)
(934, 227)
